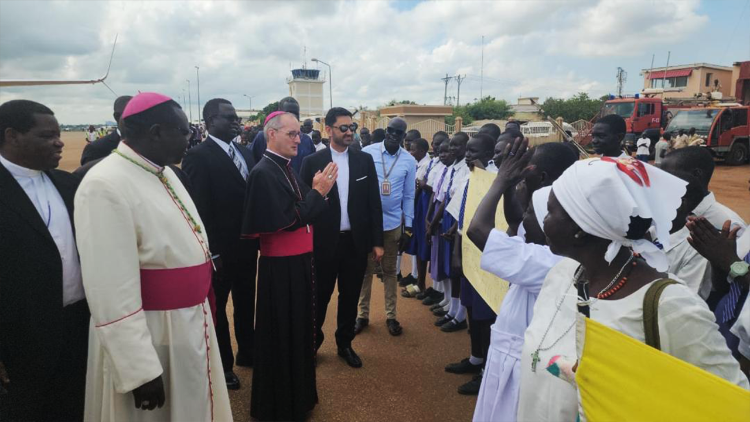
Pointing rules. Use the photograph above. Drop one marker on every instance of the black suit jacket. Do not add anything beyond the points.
(364, 207)
(31, 292)
(218, 190)
(100, 148)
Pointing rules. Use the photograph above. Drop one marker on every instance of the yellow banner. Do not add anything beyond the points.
(622, 379)
(491, 287)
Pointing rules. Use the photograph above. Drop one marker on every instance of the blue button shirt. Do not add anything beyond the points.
(400, 203)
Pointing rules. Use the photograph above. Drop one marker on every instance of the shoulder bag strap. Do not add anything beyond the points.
(651, 312)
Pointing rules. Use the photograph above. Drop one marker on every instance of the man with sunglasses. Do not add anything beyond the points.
(305, 147)
(347, 232)
(396, 170)
(218, 169)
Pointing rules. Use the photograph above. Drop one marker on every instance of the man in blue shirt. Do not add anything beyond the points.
(396, 170)
(305, 147)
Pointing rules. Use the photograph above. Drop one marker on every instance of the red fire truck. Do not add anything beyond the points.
(725, 129)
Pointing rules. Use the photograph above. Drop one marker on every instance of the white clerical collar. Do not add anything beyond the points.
(278, 155)
(19, 171)
(334, 152)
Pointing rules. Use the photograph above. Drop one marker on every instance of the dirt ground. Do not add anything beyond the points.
(403, 377)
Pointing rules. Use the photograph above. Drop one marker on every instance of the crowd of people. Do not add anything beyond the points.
(116, 278)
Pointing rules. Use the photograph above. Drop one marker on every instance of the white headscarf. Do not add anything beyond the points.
(540, 199)
(601, 194)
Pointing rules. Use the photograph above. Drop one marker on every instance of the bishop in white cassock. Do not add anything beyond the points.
(146, 270)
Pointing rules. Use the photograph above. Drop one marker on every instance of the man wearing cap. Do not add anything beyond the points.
(102, 147)
(146, 267)
(279, 211)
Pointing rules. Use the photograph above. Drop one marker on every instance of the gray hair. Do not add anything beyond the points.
(275, 123)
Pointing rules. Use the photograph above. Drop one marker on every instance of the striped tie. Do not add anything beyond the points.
(237, 162)
(463, 207)
(730, 306)
(450, 183)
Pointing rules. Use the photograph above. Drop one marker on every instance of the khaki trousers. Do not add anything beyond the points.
(388, 264)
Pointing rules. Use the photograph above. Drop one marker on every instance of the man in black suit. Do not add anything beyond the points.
(218, 170)
(102, 147)
(351, 228)
(44, 318)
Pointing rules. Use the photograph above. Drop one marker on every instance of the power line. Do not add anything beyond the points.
(445, 95)
(459, 79)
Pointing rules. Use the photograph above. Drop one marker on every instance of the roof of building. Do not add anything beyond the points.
(416, 110)
(686, 66)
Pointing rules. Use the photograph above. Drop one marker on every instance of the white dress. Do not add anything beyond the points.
(524, 266)
(686, 327)
(687, 264)
(741, 327)
(127, 222)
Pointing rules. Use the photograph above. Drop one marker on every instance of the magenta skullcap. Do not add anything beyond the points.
(142, 102)
(272, 115)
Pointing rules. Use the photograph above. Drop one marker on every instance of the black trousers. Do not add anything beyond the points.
(348, 266)
(60, 395)
(237, 275)
(480, 332)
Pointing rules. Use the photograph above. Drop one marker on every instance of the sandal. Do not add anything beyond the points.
(410, 291)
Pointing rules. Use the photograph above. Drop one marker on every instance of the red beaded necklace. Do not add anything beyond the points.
(618, 286)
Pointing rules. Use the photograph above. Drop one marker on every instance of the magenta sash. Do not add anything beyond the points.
(175, 288)
(286, 243)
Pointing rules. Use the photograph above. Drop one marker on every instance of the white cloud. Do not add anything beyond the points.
(377, 51)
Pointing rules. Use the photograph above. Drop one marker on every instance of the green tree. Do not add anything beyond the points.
(488, 108)
(579, 107)
(261, 116)
(459, 111)
(395, 102)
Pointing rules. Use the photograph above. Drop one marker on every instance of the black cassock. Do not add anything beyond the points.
(279, 209)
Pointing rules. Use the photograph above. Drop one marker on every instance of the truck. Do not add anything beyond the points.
(725, 129)
(648, 115)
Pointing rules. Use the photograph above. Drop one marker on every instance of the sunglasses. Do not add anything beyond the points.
(393, 131)
(344, 128)
(229, 117)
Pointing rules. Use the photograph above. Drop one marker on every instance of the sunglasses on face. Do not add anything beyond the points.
(393, 131)
(344, 128)
(229, 117)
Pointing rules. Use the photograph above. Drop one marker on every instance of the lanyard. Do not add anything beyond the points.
(382, 159)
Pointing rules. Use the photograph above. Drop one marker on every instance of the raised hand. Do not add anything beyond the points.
(323, 180)
(515, 165)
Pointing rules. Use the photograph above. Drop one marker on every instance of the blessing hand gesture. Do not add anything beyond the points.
(323, 180)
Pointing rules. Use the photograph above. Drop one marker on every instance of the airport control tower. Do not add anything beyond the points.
(306, 87)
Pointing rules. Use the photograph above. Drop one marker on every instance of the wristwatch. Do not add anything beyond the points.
(738, 269)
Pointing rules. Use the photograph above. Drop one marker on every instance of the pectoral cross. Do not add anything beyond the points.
(534, 360)
(307, 226)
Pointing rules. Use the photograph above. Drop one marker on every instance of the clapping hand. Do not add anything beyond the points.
(718, 247)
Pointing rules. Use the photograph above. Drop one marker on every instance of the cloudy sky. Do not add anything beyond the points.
(379, 50)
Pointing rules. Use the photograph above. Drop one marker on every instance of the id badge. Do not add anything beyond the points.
(385, 188)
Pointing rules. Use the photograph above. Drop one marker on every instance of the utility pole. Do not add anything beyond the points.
(446, 79)
(666, 69)
(198, 76)
(190, 102)
(622, 76)
(481, 77)
(459, 79)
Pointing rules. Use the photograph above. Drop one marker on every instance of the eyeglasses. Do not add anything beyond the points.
(394, 131)
(292, 134)
(344, 128)
(229, 117)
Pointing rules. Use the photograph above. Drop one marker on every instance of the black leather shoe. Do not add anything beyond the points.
(244, 359)
(394, 328)
(463, 367)
(233, 383)
(440, 312)
(472, 387)
(436, 306)
(452, 326)
(360, 325)
(351, 358)
(431, 300)
(405, 281)
(443, 320)
(425, 294)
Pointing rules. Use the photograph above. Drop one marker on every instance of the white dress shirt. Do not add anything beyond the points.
(51, 207)
(226, 146)
(717, 213)
(687, 264)
(320, 146)
(342, 184)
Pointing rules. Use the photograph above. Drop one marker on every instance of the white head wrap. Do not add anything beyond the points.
(601, 194)
(540, 199)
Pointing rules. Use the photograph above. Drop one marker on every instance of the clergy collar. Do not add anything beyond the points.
(125, 149)
(278, 157)
(334, 152)
(18, 171)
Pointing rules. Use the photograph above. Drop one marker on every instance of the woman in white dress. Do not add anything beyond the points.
(598, 214)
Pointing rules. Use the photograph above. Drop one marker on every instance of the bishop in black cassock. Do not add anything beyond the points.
(279, 210)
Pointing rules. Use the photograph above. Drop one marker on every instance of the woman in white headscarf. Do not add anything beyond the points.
(599, 212)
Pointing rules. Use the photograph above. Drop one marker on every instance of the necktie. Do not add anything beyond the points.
(442, 177)
(237, 162)
(730, 306)
(463, 207)
(450, 183)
